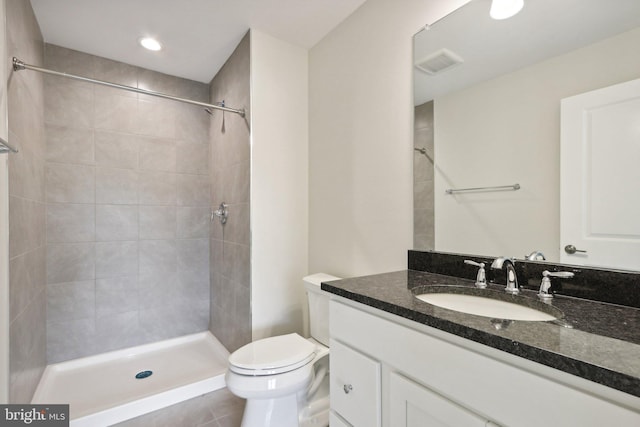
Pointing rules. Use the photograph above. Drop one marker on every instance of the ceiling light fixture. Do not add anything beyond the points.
(150, 43)
(503, 9)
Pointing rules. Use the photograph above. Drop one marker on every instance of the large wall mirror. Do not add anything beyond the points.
(490, 99)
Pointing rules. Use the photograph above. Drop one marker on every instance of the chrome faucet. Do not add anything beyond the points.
(535, 256)
(512, 278)
(481, 279)
(543, 293)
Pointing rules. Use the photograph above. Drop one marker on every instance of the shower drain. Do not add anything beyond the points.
(143, 374)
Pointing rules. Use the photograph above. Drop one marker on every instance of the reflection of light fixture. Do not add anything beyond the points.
(150, 43)
(503, 9)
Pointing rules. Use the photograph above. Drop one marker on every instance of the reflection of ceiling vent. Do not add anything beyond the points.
(439, 61)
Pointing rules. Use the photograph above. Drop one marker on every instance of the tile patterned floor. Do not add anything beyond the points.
(216, 409)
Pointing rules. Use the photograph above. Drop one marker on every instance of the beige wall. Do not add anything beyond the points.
(511, 134)
(360, 146)
(230, 318)
(26, 205)
(127, 208)
(279, 184)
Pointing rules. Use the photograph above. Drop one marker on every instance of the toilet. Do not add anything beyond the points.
(285, 379)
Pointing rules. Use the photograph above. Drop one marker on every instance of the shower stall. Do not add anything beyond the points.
(110, 193)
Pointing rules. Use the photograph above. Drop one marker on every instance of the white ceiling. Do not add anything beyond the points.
(198, 35)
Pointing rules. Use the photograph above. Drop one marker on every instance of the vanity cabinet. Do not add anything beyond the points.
(415, 375)
(413, 405)
(355, 384)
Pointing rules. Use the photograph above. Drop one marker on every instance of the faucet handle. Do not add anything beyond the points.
(543, 293)
(561, 274)
(481, 278)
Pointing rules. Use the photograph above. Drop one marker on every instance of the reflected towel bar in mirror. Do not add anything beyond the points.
(5, 147)
(513, 187)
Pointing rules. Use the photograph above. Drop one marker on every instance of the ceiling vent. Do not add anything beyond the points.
(439, 61)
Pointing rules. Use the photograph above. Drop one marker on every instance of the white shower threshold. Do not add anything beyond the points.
(103, 390)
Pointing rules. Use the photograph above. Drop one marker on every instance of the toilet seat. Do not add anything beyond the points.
(271, 356)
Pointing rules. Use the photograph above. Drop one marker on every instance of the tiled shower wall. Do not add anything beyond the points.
(127, 196)
(230, 177)
(26, 205)
(423, 200)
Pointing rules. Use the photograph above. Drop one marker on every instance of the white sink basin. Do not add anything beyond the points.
(488, 307)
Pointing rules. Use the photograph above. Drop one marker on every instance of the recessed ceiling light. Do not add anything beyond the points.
(503, 9)
(150, 43)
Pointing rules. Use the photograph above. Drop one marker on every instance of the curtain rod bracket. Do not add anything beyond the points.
(17, 64)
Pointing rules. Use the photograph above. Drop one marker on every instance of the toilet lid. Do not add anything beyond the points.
(273, 355)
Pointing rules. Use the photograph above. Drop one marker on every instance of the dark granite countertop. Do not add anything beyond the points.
(601, 344)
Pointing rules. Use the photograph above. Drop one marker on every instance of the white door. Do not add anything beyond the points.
(600, 177)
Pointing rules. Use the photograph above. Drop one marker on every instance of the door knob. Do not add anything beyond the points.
(570, 249)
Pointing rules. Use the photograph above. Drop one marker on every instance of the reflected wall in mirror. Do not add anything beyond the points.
(494, 119)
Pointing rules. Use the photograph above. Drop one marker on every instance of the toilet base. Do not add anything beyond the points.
(282, 412)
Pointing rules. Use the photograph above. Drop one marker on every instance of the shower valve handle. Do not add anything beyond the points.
(221, 213)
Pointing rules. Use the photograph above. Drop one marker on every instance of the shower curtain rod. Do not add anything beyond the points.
(19, 65)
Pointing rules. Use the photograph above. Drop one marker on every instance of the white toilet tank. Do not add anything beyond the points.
(318, 306)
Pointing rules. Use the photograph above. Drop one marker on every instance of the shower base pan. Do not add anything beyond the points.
(112, 387)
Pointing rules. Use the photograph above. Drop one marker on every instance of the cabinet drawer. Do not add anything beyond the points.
(355, 386)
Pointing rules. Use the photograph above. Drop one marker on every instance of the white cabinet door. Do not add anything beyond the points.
(336, 421)
(413, 405)
(599, 176)
(355, 386)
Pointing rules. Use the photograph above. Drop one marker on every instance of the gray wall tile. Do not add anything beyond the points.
(423, 197)
(116, 186)
(157, 188)
(70, 183)
(116, 222)
(193, 222)
(158, 256)
(27, 295)
(27, 279)
(68, 104)
(116, 295)
(68, 301)
(193, 254)
(192, 157)
(116, 112)
(117, 150)
(230, 301)
(70, 339)
(119, 163)
(193, 190)
(70, 223)
(114, 259)
(157, 154)
(158, 222)
(26, 225)
(192, 124)
(69, 145)
(156, 118)
(70, 262)
(26, 173)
